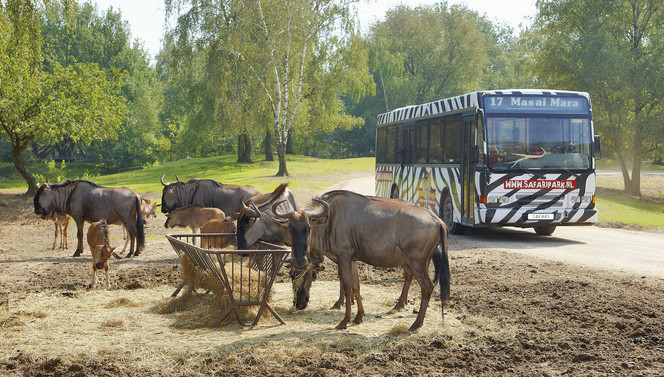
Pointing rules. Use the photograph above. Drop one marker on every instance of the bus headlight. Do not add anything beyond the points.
(583, 199)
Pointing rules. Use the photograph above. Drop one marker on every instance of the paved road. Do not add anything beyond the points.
(629, 251)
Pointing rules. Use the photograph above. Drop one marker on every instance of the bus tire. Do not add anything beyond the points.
(447, 215)
(394, 194)
(545, 230)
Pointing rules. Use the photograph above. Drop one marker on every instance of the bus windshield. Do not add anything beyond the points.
(516, 143)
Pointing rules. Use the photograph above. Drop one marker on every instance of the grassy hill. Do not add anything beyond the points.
(307, 174)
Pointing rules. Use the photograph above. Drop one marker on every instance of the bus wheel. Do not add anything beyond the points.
(395, 193)
(545, 230)
(447, 215)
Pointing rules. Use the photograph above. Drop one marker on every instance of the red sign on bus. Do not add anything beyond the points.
(544, 184)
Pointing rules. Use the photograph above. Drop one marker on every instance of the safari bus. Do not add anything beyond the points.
(522, 158)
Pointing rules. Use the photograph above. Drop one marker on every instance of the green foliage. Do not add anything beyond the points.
(615, 51)
(77, 33)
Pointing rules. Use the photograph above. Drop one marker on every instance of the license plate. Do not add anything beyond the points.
(540, 216)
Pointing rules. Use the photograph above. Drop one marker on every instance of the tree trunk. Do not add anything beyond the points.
(289, 143)
(283, 171)
(268, 146)
(635, 187)
(625, 173)
(23, 170)
(243, 148)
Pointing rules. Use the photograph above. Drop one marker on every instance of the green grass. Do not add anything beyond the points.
(607, 163)
(617, 208)
(305, 172)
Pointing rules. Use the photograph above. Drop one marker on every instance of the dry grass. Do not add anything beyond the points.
(123, 326)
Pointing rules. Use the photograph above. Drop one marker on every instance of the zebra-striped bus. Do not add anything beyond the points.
(523, 158)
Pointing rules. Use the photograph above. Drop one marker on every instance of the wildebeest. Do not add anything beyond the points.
(193, 217)
(257, 206)
(217, 226)
(87, 201)
(101, 249)
(61, 222)
(204, 193)
(384, 233)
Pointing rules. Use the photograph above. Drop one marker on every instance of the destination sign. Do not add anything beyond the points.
(535, 104)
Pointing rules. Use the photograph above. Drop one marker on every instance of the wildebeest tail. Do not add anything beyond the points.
(441, 265)
(140, 225)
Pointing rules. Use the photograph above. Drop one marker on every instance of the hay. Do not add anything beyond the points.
(193, 310)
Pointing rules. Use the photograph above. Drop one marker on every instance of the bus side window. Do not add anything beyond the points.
(453, 139)
(436, 141)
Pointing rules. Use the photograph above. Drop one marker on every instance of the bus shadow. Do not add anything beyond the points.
(510, 238)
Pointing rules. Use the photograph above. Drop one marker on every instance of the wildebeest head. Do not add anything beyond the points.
(174, 219)
(169, 195)
(256, 223)
(303, 265)
(105, 252)
(44, 201)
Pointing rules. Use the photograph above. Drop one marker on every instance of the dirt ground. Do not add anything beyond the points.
(509, 315)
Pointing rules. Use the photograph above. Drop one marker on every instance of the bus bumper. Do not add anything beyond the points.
(530, 218)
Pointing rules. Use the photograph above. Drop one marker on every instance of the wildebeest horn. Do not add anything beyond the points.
(162, 179)
(258, 211)
(176, 177)
(274, 210)
(326, 209)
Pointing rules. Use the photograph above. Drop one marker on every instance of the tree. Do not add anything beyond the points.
(615, 51)
(426, 53)
(74, 33)
(283, 50)
(78, 101)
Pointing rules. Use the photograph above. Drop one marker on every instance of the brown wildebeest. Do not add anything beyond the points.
(193, 217)
(61, 222)
(383, 233)
(217, 226)
(257, 223)
(101, 249)
(204, 193)
(87, 201)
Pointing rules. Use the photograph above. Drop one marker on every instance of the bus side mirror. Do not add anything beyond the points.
(474, 154)
(597, 147)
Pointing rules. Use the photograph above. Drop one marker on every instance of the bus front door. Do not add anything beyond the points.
(468, 163)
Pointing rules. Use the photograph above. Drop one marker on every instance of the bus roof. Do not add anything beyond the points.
(462, 102)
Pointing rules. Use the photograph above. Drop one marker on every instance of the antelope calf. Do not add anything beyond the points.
(217, 226)
(101, 249)
(61, 222)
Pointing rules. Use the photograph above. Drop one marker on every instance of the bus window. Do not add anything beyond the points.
(381, 145)
(452, 139)
(421, 142)
(480, 140)
(436, 141)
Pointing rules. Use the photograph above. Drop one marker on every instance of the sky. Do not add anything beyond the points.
(146, 17)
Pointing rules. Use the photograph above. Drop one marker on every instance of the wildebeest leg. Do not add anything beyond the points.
(426, 288)
(55, 238)
(356, 293)
(342, 294)
(126, 237)
(132, 232)
(79, 235)
(346, 278)
(106, 270)
(408, 278)
(65, 234)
